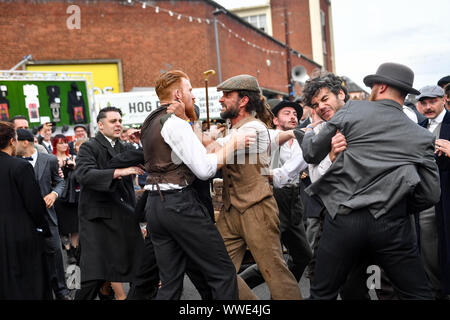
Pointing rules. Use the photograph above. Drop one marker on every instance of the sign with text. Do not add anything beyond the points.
(136, 106)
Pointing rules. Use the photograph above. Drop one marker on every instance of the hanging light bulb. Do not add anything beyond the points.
(144, 4)
(157, 9)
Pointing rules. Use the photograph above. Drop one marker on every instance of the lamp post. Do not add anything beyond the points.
(207, 74)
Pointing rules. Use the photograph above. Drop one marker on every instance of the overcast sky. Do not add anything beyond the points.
(368, 33)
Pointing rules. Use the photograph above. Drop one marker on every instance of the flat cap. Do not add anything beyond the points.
(240, 82)
(430, 92)
(24, 134)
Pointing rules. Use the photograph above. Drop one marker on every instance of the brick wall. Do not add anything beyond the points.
(146, 42)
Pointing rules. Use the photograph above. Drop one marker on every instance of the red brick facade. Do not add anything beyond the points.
(146, 42)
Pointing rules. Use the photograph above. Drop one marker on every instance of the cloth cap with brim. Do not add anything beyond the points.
(80, 126)
(283, 104)
(444, 81)
(430, 92)
(24, 134)
(240, 82)
(393, 74)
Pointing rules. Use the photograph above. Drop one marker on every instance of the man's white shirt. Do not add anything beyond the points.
(187, 148)
(289, 161)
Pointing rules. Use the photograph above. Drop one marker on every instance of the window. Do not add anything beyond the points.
(258, 21)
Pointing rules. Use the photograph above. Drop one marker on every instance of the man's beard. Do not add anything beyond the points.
(230, 113)
(190, 113)
(374, 95)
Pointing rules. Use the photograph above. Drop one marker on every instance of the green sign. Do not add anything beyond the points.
(62, 101)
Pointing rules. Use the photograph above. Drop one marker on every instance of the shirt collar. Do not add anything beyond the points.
(111, 141)
(439, 118)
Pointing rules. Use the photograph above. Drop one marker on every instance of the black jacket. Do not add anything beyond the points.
(109, 230)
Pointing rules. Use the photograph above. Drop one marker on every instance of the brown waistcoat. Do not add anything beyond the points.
(158, 154)
(244, 185)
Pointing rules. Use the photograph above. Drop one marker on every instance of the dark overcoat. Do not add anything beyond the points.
(110, 236)
(443, 207)
(23, 273)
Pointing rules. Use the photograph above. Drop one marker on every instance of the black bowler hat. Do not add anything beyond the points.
(393, 74)
(444, 81)
(80, 126)
(283, 104)
(24, 134)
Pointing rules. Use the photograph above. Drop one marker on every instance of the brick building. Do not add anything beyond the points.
(144, 38)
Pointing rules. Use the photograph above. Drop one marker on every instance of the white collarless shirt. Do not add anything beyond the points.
(433, 123)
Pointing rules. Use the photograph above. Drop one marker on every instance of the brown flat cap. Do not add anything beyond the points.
(240, 82)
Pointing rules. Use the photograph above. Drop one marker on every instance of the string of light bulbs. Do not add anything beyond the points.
(180, 16)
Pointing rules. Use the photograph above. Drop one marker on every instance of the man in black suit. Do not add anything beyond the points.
(51, 185)
(434, 224)
(110, 235)
(23, 274)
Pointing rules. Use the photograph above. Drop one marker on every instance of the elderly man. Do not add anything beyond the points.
(436, 247)
(389, 171)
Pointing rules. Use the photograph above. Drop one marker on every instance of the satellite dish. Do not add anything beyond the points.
(299, 74)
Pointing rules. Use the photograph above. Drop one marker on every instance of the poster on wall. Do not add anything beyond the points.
(32, 102)
(4, 104)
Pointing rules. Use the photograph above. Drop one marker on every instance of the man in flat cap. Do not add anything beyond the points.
(389, 172)
(81, 133)
(249, 217)
(436, 248)
(287, 163)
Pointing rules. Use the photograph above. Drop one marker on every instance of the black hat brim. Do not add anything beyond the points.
(284, 104)
(375, 78)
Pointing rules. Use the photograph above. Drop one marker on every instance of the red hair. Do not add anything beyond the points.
(56, 140)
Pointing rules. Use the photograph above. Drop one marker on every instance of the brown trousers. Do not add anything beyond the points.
(258, 228)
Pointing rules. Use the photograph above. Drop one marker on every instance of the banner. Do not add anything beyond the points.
(136, 106)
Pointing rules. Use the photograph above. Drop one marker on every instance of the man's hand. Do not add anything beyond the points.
(50, 199)
(338, 144)
(178, 108)
(244, 138)
(123, 172)
(134, 135)
(443, 147)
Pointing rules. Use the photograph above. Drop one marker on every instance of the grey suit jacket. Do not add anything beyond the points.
(46, 171)
(388, 158)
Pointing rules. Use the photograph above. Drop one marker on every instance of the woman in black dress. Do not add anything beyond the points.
(66, 205)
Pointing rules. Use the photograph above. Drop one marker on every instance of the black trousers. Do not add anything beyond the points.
(388, 239)
(182, 231)
(55, 264)
(146, 281)
(293, 236)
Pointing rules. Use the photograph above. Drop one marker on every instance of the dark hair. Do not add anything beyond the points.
(104, 111)
(56, 139)
(328, 80)
(18, 117)
(257, 103)
(6, 133)
(447, 89)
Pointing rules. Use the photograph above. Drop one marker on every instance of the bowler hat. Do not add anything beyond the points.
(283, 104)
(444, 81)
(393, 74)
(24, 134)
